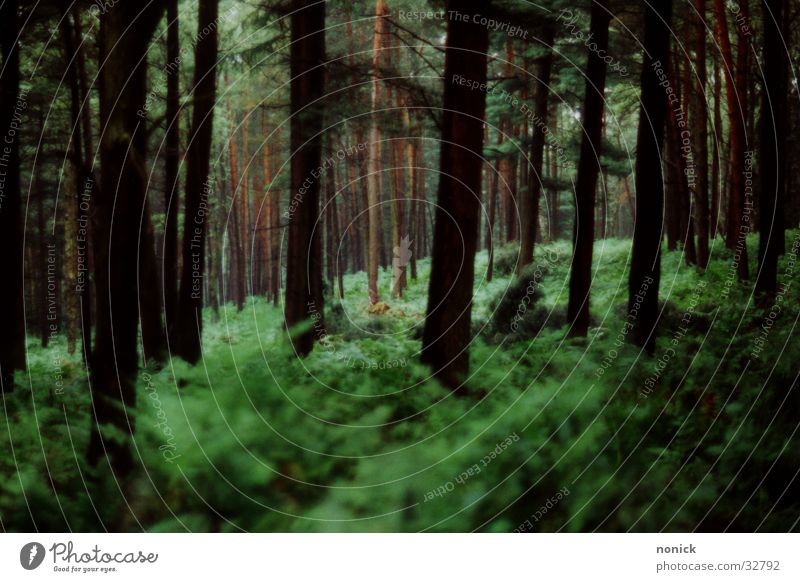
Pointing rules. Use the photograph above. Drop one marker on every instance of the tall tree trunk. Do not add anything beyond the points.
(336, 237)
(588, 167)
(171, 168)
(265, 222)
(123, 194)
(699, 117)
(86, 195)
(529, 205)
(680, 158)
(645, 273)
(447, 335)
(491, 235)
(12, 107)
(399, 228)
(235, 242)
(304, 261)
(199, 186)
(150, 307)
(275, 198)
(774, 105)
(74, 184)
(245, 266)
(734, 79)
(716, 153)
(374, 153)
(411, 157)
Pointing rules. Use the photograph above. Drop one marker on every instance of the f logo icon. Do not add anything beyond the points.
(31, 555)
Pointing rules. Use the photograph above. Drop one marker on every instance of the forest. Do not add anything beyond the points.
(399, 266)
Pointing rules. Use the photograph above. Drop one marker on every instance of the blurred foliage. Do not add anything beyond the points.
(255, 439)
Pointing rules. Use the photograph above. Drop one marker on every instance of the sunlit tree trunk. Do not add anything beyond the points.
(374, 153)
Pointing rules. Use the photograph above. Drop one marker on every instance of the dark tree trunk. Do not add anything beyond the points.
(12, 340)
(446, 337)
(679, 160)
(275, 249)
(734, 79)
(588, 167)
(773, 148)
(411, 156)
(153, 337)
(699, 116)
(716, 153)
(304, 254)
(171, 176)
(529, 205)
(494, 181)
(189, 324)
(86, 195)
(645, 271)
(72, 191)
(122, 197)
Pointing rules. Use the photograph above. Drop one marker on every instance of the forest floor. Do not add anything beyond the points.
(549, 434)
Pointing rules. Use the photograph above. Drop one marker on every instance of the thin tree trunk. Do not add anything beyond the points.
(73, 185)
(736, 229)
(150, 307)
(235, 242)
(199, 187)
(699, 116)
(490, 229)
(86, 195)
(245, 266)
(716, 152)
(411, 157)
(171, 168)
(275, 195)
(529, 206)
(399, 258)
(588, 168)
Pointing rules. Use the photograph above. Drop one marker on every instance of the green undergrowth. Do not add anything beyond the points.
(549, 433)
